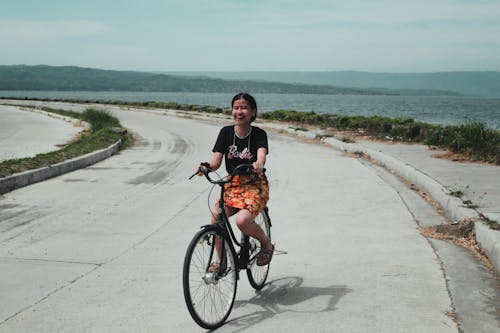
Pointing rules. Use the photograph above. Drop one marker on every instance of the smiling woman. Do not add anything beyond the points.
(247, 195)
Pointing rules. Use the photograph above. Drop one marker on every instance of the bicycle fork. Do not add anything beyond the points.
(218, 251)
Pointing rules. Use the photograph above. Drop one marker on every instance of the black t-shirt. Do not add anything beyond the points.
(239, 151)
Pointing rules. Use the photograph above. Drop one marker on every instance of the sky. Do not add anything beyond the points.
(393, 36)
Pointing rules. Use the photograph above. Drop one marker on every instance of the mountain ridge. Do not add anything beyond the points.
(74, 78)
(471, 83)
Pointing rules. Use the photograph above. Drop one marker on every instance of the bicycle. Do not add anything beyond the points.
(210, 292)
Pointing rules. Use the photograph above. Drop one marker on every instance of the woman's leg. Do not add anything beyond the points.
(245, 221)
(230, 211)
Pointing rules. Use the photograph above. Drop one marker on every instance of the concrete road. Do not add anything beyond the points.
(26, 134)
(101, 249)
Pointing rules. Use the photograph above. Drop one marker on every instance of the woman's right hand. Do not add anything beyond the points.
(204, 167)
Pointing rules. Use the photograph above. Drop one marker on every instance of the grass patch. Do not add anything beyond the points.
(457, 194)
(347, 139)
(170, 105)
(490, 223)
(102, 134)
(473, 139)
(470, 204)
(303, 129)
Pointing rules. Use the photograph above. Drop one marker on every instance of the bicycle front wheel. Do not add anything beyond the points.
(257, 275)
(209, 292)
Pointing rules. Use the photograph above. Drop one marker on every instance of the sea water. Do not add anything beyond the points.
(441, 110)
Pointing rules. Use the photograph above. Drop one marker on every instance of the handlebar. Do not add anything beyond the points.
(240, 169)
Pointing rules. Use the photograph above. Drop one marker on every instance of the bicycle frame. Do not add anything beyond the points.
(223, 225)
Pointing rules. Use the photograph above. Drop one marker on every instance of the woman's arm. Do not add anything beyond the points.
(261, 160)
(216, 161)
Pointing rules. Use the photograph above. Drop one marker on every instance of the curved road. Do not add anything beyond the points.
(18, 129)
(101, 249)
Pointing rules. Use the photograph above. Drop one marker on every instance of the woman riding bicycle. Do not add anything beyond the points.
(247, 195)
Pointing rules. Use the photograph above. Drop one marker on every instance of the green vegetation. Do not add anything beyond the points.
(470, 204)
(99, 119)
(457, 193)
(103, 133)
(489, 222)
(177, 106)
(472, 139)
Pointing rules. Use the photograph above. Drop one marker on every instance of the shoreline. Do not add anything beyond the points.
(437, 110)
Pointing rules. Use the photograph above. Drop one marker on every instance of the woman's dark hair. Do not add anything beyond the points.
(250, 100)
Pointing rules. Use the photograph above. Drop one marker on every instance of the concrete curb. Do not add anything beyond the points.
(488, 239)
(22, 179)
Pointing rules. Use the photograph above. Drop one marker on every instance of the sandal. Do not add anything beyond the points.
(214, 267)
(264, 257)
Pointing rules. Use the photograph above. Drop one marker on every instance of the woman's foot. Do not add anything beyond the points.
(218, 267)
(214, 267)
(265, 255)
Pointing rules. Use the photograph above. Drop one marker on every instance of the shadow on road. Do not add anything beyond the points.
(286, 295)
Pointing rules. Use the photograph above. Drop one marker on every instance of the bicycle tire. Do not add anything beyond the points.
(209, 296)
(257, 275)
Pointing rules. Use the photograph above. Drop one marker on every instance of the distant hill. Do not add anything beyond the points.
(471, 83)
(71, 78)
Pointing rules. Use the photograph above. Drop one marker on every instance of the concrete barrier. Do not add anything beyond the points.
(489, 241)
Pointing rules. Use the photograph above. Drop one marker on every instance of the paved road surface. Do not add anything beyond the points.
(26, 134)
(101, 249)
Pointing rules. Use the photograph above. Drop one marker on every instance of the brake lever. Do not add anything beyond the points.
(197, 172)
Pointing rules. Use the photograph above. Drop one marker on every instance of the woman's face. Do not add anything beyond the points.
(242, 112)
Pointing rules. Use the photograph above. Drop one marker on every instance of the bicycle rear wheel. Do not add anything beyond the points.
(209, 295)
(257, 275)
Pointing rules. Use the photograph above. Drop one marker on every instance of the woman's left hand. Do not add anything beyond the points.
(258, 167)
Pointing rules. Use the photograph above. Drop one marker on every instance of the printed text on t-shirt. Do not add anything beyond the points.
(234, 153)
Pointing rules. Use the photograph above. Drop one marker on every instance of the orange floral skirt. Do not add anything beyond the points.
(250, 192)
